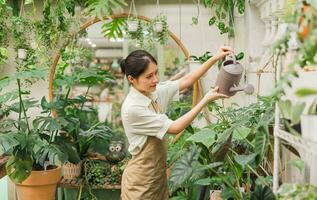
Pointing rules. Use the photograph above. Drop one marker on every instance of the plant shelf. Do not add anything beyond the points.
(76, 183)
(297, 142)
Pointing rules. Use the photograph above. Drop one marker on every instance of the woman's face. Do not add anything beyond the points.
(147, 81)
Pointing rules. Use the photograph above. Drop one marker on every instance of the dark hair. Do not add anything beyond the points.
(136, 63)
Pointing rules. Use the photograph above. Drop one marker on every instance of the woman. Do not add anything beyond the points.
(145, 123)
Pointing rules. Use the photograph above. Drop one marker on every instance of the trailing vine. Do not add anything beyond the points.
(160, 34)
(222, 11)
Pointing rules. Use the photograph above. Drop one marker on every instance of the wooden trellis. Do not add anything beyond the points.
(197, 89)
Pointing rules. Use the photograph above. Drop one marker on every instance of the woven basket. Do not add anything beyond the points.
(71, 171)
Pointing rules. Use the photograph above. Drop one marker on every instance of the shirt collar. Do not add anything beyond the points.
(141, 98)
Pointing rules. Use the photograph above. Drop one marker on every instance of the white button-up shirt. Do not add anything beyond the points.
(139, 117)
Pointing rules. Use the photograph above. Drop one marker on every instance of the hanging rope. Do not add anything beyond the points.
(158, 10)
(132, 10)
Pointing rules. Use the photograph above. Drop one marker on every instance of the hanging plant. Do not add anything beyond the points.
(222, 11)
(4, 13)
(133, 25)
(138, 34)
(134, 28)
(160, 28)
(22, 36)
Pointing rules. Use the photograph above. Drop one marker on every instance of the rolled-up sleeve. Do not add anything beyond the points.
(143, 121)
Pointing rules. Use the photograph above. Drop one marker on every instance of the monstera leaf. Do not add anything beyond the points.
(18, 168)
(114, 28)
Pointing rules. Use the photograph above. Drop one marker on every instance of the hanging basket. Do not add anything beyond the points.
(132, 25)
(71, 171)
(158, 27)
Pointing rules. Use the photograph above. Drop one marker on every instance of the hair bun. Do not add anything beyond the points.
(122, 65)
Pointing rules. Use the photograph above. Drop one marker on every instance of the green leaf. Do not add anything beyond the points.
(204, 136)
(261, 143)
(9, 96)
(241, 133)
(67, 149)
(267, 181)
(104, 8)
(312, 110)
(114, 28)
(212, 21)
(239, 56)
(286, 108)
(18, 168)
(204, 181)
(297, 111)
(306, 92)
(26, 2)
(194, 20)
(298, 163)
(186, 168)
(7, 142)
(244, 160)
(263, 193)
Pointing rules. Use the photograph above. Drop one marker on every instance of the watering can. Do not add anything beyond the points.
(229, 77)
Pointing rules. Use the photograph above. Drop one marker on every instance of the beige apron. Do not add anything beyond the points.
(144, 177)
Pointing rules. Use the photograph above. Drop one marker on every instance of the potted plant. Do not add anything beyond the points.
(33, 150)
(309, 120)
(160, 28)
(135, 30)
(133, 25)
(80, 126)
(22, 36)
(291, 114)
(231, 149)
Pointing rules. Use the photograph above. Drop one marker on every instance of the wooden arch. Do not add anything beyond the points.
(122, 15)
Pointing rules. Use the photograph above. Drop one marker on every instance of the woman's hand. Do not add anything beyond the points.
(222, 52)
(214, 94)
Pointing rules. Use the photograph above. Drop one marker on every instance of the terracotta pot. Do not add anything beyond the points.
(40, 185)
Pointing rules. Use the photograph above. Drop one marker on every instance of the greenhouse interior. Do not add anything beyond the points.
(158, 99)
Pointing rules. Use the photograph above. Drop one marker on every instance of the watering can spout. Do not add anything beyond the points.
(248, 89)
